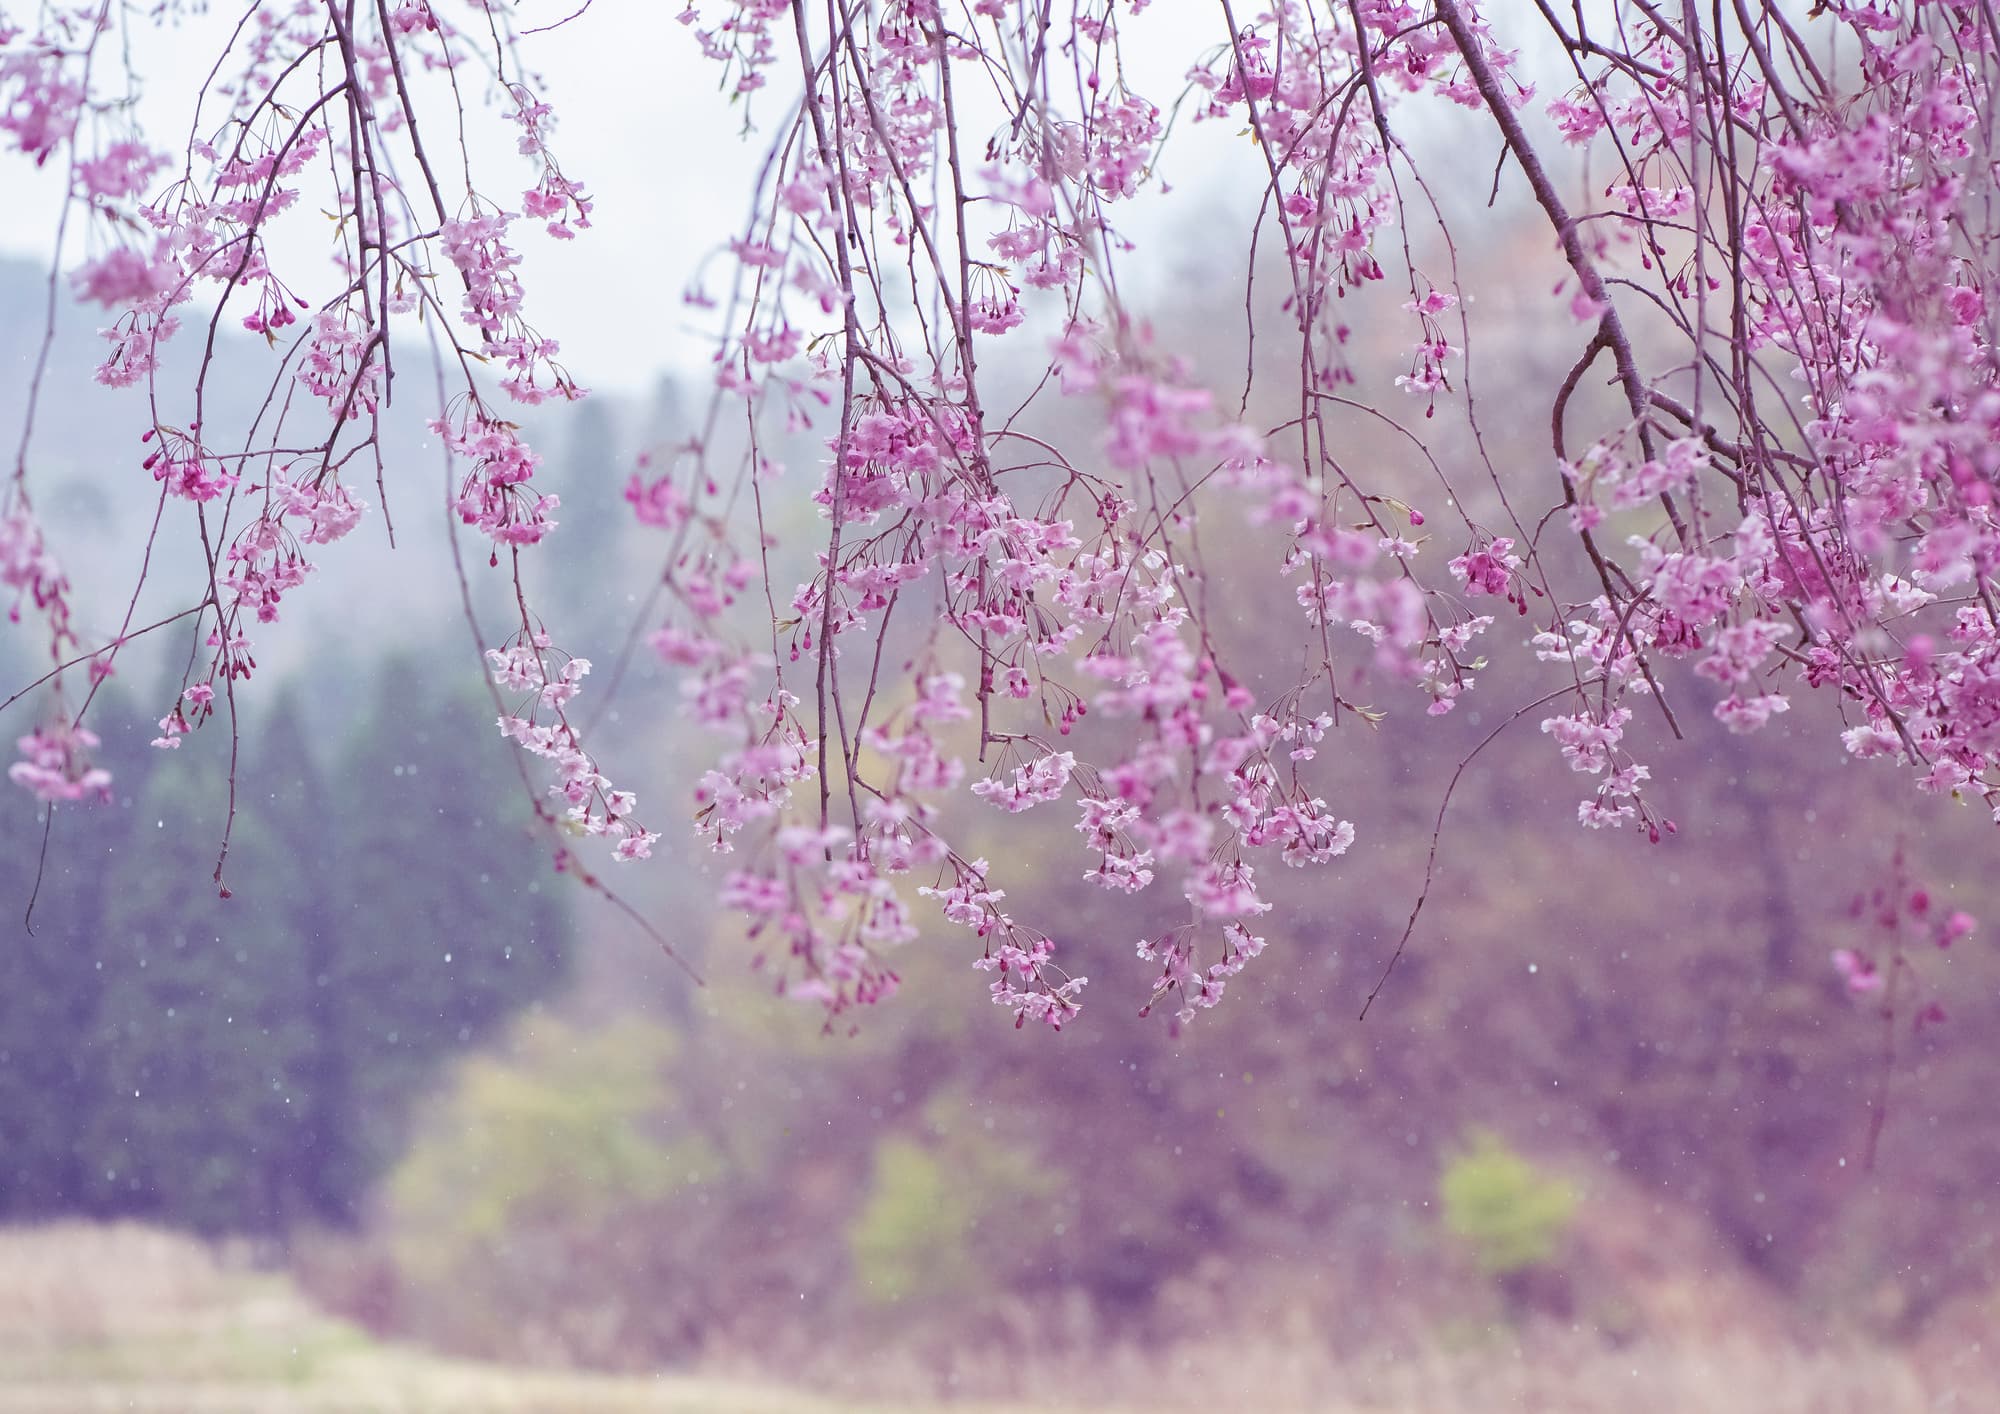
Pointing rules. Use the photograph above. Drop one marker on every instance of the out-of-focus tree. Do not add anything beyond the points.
(1764, 451)
(429, 959)
(250, 1064)
(595, 519)
(201, 1033)
(50, 1074)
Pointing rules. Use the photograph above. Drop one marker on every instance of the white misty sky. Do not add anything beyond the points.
(644, 126)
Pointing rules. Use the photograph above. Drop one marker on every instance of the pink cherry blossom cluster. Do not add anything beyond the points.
(29, 569)
(545, 681)
(495, 496)
(45, 98)
(1025, 987)
(828, 899)
(1851, 537)
(313, 111)
(1071, 595)
(55, 764)
(197, 704)
(42, 91)
(1771, 465)
(478, 248)
(1181, 976)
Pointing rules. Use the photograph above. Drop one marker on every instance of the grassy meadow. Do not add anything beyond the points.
(125, 1317)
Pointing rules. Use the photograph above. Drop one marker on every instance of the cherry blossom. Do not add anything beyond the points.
(957, 608)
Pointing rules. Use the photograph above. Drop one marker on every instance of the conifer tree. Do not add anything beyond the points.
(49, 932)
(201, 1027)
(424, 959)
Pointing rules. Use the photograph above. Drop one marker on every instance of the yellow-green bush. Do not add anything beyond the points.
(936, 1211)
(910, 1237)
(1511, 1214)
(535, 1206)
(565, 1125)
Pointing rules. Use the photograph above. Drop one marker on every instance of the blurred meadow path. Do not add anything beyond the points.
(131, 1318)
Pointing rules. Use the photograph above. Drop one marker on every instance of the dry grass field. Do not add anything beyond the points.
(134, 1319)
(131, 1318)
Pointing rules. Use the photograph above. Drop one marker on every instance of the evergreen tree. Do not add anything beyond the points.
(442, 916)
(244, 1064)
(293, 842)
(51, 972)
(593, 519)
(201, 1026)
(666, 420)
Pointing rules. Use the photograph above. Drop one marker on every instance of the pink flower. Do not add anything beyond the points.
(1856, 970)
(1487, 571)
(54, 764)
(123, 276)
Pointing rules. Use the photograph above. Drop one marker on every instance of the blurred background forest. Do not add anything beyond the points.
(1600, 1144)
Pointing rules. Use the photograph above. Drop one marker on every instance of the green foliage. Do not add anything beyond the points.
(443, 922)
(563, 1128)
(909, 1240)
(200, 1037)
(51, 981)
(934, 1214)
(1509, 1213)
(243, 1065)
(557, 1188)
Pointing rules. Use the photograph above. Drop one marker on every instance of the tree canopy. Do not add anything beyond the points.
(962, 518)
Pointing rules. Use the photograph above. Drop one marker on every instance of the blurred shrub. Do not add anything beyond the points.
(909, 1239)
(937, 1213)
(1509, 1213)
(561, 1128)
(524, 1217)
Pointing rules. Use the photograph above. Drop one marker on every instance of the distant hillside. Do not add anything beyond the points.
(98, 503)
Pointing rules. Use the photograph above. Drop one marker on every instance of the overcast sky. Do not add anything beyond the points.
(642, 126)
(646, 129)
